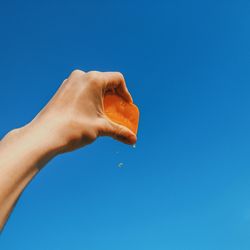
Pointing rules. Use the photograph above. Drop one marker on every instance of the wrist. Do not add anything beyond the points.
(34, 141)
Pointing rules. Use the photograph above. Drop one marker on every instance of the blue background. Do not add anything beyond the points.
(186, 186)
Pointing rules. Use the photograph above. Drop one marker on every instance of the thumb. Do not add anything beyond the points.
(117, 131)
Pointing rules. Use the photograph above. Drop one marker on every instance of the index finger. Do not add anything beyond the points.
(115, 81)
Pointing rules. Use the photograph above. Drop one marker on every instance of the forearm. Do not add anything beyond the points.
(22, 153)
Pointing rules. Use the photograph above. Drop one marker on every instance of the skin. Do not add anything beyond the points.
(72, 119)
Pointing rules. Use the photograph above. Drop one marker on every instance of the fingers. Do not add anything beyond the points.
(117, 131)
(115, 81)
(110, 81)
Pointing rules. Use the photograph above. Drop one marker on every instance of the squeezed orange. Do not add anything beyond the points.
(121, 112)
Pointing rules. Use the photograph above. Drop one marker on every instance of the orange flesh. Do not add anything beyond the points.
(121, 112)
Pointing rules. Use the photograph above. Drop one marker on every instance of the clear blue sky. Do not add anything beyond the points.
(186, 186)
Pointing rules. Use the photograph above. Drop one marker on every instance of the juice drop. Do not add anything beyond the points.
(120, 165)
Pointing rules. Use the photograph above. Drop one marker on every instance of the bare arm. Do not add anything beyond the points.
(73, 118)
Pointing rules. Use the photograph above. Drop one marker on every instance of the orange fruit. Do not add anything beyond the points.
(121, 112)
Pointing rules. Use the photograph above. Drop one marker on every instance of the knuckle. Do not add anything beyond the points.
(75, 78)
(64, 83)
(95, 77)
(89, 135)
(119, 75)
(93, 74)
(77, 73)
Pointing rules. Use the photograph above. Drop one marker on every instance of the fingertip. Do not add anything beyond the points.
(130, 139)
(130, 99)
(127, 137)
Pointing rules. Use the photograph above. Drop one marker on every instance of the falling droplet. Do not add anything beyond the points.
(120, 165)
(134, 146)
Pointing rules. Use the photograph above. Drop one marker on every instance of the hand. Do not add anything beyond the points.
(75, 117)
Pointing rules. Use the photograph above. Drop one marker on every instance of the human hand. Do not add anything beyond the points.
(74, 117)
